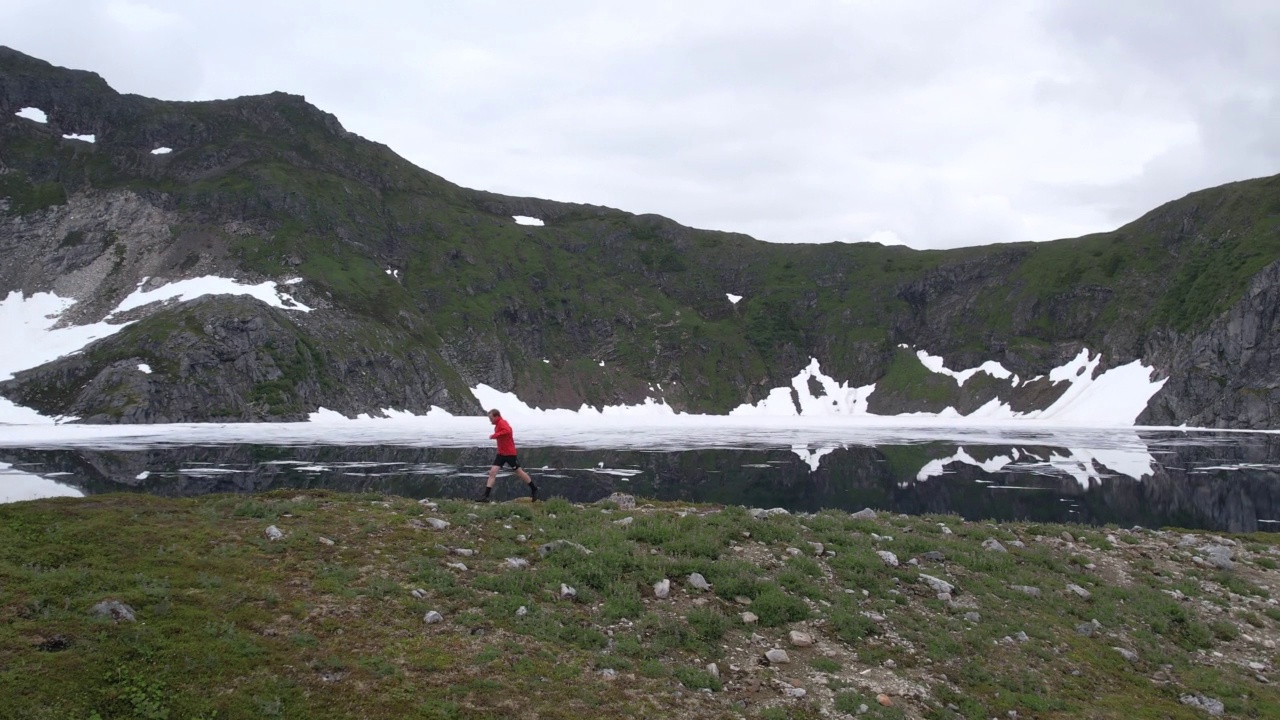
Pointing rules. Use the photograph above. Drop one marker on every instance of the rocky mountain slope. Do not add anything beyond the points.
(420, 289)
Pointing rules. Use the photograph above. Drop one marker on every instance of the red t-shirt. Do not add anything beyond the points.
(502, 433)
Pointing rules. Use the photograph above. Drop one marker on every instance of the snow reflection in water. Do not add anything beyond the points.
(1215, 480)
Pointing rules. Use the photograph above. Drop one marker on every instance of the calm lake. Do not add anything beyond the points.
(1224, 481)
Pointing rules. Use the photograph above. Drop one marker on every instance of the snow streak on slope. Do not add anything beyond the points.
(32, 338)
(838, 399)
(935, 364)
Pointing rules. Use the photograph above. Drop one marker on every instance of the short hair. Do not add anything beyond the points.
(494, 413)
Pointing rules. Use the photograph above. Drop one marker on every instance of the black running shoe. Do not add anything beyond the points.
(533, 492)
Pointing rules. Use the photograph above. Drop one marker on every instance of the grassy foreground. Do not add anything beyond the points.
(230, 624)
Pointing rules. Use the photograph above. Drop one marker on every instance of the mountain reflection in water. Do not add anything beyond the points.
(1206, 480)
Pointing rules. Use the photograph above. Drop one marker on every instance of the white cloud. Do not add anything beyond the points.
(941, 124)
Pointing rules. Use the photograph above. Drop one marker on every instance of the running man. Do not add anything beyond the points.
(506, 456)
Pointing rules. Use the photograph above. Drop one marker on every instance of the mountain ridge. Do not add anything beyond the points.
(424, 289)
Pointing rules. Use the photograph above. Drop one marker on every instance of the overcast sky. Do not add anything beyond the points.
(936, 122)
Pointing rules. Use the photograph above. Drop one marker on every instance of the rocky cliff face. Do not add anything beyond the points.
(422, 289)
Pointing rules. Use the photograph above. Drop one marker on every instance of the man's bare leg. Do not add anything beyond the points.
(488, 487)
(533, 489)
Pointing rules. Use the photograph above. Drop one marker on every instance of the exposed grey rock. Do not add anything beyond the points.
(800, 639)
(1018, 543)
(1068, 536)
(972, 617)
(759, 514)
(1084, 594)
(114, 610)
(1029, 590)
(432, 617)
(548, 548)
(622, 500)
(1127, 654)
(934, 556)
(273, 533)
(994, 545)
(624, 521)
(567, 592)
(1210, 705)
(889, 558)
(522, 611)
(1089, 628)
(324, 540)
(938, 585)
(437, 523)
(1021, 636)
(945, 530)
(418, 593)
(463, 552)
(662, 588)
(795, 692)
(777, 656)
(516, 563)
(749, 618)
(864, 514)
(818, 548)
(697, 581)
(457, 566)
(713, 670)
(522, 538)
(1219, 556)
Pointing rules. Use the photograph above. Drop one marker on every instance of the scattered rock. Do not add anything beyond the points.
(945, 530)
(324, 540)
(1219, 556)
(889, 664)
(457, 566)
(567, 593)
(622, 500)
(517, 563)
(1089, 628)
(749, 618)
(934, 556)
(1021, 636)
(464, 552)
(795, 692)
(432, 617)
(944, 597)
(889, 558)
(113, 609)
(713, 670)
(1029, 590)
(864, 514)
(662, 588)
(1018, 544)
(938, 585)
(759, 514)
(1129, 655)
(1084, 594)
(522, 538)
(419, 593)
(273, 533)
(437, 523)
(777, 656)
(794, 552)
(548, 548)
(973, 617)
(522, 611)
(609, 673)
(818, 548)
(993, 544)
(742, 599)
(1068, 536)
(624, 521)
(426, 502)
(696, 580)
(800, 639)
(1208, 704)
(884, 700)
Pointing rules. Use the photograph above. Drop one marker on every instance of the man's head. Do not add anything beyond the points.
(493, 416)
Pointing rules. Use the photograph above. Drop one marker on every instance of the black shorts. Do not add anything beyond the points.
(500, 460)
